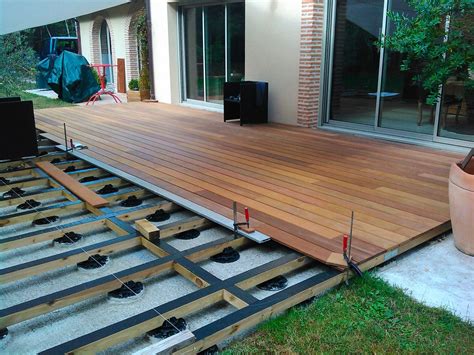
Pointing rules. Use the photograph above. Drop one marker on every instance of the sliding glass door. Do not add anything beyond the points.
(366, 90)
(212, 50)
(193, 44)
(402, 98)
(358, 24)
(214, 40)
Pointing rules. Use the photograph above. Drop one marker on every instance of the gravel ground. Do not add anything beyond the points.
(41, 250)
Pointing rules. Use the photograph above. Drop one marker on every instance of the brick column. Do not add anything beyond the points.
(312, 22)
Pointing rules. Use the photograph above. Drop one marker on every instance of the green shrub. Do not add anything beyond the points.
(133, 85)
(17, 64)
(97, 78)
(436, 54)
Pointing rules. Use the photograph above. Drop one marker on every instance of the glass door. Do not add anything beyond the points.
(366, 89)
(402, 98)
(214, 17)
(106, 51)
(212, 50)
(194, 53)
(358, 24)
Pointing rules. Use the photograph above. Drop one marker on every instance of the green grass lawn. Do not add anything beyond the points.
(38, 101)
(368, 316)
(41, 101)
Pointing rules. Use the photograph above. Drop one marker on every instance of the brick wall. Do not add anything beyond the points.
(95, 45)
(312, 22)
(132, 66)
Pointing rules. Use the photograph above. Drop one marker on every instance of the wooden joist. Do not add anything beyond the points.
(219, 290)
(152, 232)
(67, 258)
(143, 212)
(59, 209)
(169, 345)
(49, 234)
(72, 185)
(51, 193)
(34, 182)
(147, 229)
(74, 294)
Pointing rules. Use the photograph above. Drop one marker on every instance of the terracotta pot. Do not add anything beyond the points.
(133, 96)
(461, 205)
(144, 94)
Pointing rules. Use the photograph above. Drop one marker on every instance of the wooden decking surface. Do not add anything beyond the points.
(299, 184)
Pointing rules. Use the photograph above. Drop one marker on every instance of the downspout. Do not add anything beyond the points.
(78, 34)
(150, 50)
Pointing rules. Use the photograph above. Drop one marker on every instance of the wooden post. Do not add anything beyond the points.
(121, 81)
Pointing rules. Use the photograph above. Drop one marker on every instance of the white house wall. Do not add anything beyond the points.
(272, 52)
(272, 48)
(164, 19)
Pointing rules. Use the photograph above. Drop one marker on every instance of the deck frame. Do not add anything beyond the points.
(234, 290)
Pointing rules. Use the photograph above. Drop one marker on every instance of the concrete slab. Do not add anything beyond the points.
(436, 274)
(50, 94)
(105, 99)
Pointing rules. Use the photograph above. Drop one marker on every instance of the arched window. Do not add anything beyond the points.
(106, 50)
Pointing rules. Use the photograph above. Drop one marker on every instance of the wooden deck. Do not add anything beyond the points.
(300, 185)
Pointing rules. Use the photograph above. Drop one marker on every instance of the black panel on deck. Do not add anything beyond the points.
(18, 131)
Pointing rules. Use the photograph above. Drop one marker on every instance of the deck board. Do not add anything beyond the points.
(299, 184)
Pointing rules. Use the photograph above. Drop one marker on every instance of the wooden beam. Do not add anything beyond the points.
(143, 212)
(294, 263)
(26, 184)
(67, 258)
(147, 229)
(250, 316)
(73, 185)
(116, 228)
(120, 332)
(123, 195)
(95, 172)
(152, 232)
(59, 209)
(43, 236)
(74, 294)
(18, 164)
(233, 300)
(195, 222)
(208, 252)
(153, 248)
(18, 173)
(71, 295)
(141, 323)
(37, 196)
(198, 281)
(115, 181)
(169, 345)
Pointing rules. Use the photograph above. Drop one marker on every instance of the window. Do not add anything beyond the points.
(106, 50)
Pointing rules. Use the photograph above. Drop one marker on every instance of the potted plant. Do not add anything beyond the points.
(132, 93)
(461, 203)
(144, 84)
(144, 81)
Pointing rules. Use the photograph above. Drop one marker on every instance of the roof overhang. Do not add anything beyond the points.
(16, 15)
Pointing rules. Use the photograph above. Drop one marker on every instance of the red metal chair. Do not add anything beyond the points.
(101, 71)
